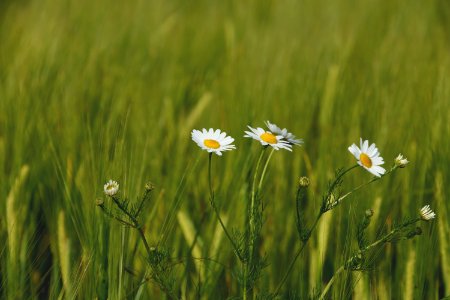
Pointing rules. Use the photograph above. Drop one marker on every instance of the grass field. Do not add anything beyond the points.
(99, 90)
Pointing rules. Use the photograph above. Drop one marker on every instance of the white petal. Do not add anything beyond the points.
(355, 151)
(377, 161)
(260, 131)
(379, 170)
(371, 149)
(365, 146)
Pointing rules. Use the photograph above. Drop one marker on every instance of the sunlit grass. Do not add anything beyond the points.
(92, 91)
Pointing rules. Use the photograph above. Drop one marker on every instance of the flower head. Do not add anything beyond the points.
(401, 161)
(369, 213)
(283, 132)
(268, 138)
(303, 181)
(213, 140)
(426, 213)
(111, 188)
(368, 157)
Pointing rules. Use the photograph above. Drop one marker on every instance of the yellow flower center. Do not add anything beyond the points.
(213, 144)
(268, 138)
(109, 187)
(365, 160)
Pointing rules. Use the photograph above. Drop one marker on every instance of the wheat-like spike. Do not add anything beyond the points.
(12, 220)
(64, 253)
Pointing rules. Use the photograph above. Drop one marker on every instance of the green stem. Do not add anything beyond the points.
(252, 206)
(360, 252)
(147, 247)
(254, 191)
(330, 283)
(216, 211)
(244, 292)
(211, 191)
(109, 214)
(299, 251)
(252, 226)
(321, 212)
(363, 185)
(137, 225)
(263, 174)
(297, 207)
(141, 204)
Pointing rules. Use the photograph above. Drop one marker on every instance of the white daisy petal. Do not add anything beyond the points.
(289, 137)
(377, 160)
(354, 150)
(379, 170)
(426, 213)
(368, 157)
(111, 188)
(365, 146)
(268, 138)
(372, 149)
(213, 141)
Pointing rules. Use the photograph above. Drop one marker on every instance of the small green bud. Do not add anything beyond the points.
(414, 232)
(99, 202)
(303, 181)
(418, 230)
(149, 186)
(369, 213)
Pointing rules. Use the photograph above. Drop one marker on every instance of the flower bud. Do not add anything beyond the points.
(111, 188)
(303, 182)
(149, 186)
(369, 213)
(401, 161)
(426, 213)
(414, 232)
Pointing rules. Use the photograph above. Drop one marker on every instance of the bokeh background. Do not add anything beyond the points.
(93, 90)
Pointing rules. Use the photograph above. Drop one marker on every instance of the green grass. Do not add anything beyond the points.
(93, 90)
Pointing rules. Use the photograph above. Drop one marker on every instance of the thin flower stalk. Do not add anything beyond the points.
(252, 225)
(382, 240)
(134, 223)
(263, 174)
(216, 211)
(375, 178)
(323, 209)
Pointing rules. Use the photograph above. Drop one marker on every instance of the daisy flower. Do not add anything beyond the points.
(268, 138)
(213, 141)
(368, 157)
(401, 161)
(426, 213)
(283, 132)
(111, 188)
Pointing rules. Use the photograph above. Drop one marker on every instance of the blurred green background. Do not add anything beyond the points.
(93, 90)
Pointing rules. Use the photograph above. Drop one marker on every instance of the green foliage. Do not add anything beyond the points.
(92, 91)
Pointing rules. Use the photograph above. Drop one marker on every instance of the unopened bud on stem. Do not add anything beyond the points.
(149, 186)
(303, 181)
(401, 161)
